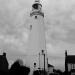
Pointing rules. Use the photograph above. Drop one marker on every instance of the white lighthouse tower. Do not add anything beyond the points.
(37, 42)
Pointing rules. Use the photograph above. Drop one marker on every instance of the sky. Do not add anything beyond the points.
(59, 22)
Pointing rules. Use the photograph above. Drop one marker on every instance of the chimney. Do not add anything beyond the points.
(65, 53)
(4, 54)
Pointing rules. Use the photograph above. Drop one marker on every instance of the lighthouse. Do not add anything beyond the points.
(37, 53)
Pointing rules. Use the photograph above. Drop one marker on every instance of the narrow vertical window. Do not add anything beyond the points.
(30, 27)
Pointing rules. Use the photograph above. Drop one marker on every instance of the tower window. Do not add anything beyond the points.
(35, 17)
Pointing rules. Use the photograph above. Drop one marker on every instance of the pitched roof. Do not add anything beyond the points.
(49, 65)
(70, 59)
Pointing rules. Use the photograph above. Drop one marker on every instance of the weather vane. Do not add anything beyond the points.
(37, 0)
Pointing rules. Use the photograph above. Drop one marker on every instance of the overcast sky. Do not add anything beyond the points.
(59, 22)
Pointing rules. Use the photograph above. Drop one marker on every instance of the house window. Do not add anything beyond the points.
(35, 17)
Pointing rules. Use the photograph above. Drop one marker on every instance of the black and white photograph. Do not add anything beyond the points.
(37, 37)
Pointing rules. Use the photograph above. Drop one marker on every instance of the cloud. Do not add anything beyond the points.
(60, 22)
